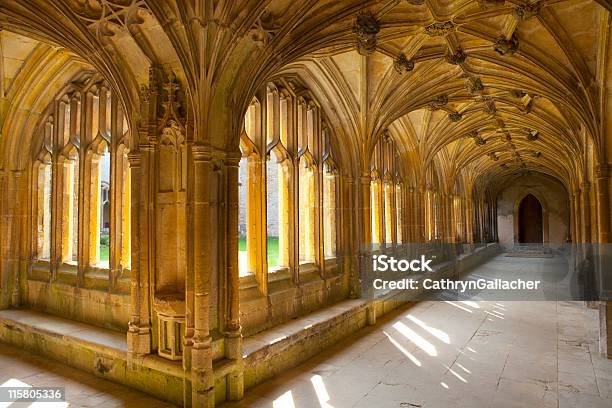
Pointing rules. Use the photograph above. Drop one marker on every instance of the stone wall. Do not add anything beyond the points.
(555, 209)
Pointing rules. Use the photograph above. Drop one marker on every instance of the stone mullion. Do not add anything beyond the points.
(60, 194)
(319, 239)
(393, 212)
(85, 186)
(262, 233)
(55, 249)
(116, 180)
(405, 215)
(412, 205)
(202, 379)
(417, 201)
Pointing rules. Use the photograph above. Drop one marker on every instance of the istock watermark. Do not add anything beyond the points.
(384, 263)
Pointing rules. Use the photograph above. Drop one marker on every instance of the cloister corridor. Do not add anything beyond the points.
(471, 354)
(196, 195)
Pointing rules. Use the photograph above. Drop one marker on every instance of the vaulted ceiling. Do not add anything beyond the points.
(474, 89)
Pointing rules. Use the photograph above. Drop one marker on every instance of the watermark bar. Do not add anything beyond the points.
(32, 394)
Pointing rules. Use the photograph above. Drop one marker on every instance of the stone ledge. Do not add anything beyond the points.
(96, 350)
(282, 347)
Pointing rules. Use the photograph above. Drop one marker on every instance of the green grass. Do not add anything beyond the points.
(104, 252)
(104, 248)
(272, 249)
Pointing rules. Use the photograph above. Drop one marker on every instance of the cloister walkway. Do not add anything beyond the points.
(458, 353)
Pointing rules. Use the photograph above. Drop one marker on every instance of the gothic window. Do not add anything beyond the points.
(81, 184)
(287, 186)
(69, 177)
(384, 204)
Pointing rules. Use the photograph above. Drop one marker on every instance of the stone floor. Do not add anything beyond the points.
(458, 354)
(434, 354)
(21, 369)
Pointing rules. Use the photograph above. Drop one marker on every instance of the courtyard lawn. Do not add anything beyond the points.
(272, 245)
(104, 253)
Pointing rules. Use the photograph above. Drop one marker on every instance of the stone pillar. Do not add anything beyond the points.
(603, 217)
(605, 329)
(233, 331)
(16, 208)
(420, 215)
(139, 327)
(469, 221)
(365, 234)
(603, 203)
(586, 212)
(202, 379)
(350, 247)
(577, 217)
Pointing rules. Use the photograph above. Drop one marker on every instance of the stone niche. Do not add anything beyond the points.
(170, 310)
(171, 255)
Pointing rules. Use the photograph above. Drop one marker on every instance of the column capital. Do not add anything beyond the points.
(232, 159)
(134, 159)
(365, 179)
(201, 153)
(585, 186)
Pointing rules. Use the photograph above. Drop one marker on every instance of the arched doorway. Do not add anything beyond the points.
(530, 220)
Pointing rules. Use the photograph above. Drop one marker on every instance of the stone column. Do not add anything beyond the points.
(202, 379)
(233, 335)
(586, 212)
(603, 203)
(603, 217)
(605, 329)
(350, 229)
(139, 327)
(16, 222)
(420, 215)
(469, 221)
(577, 217)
